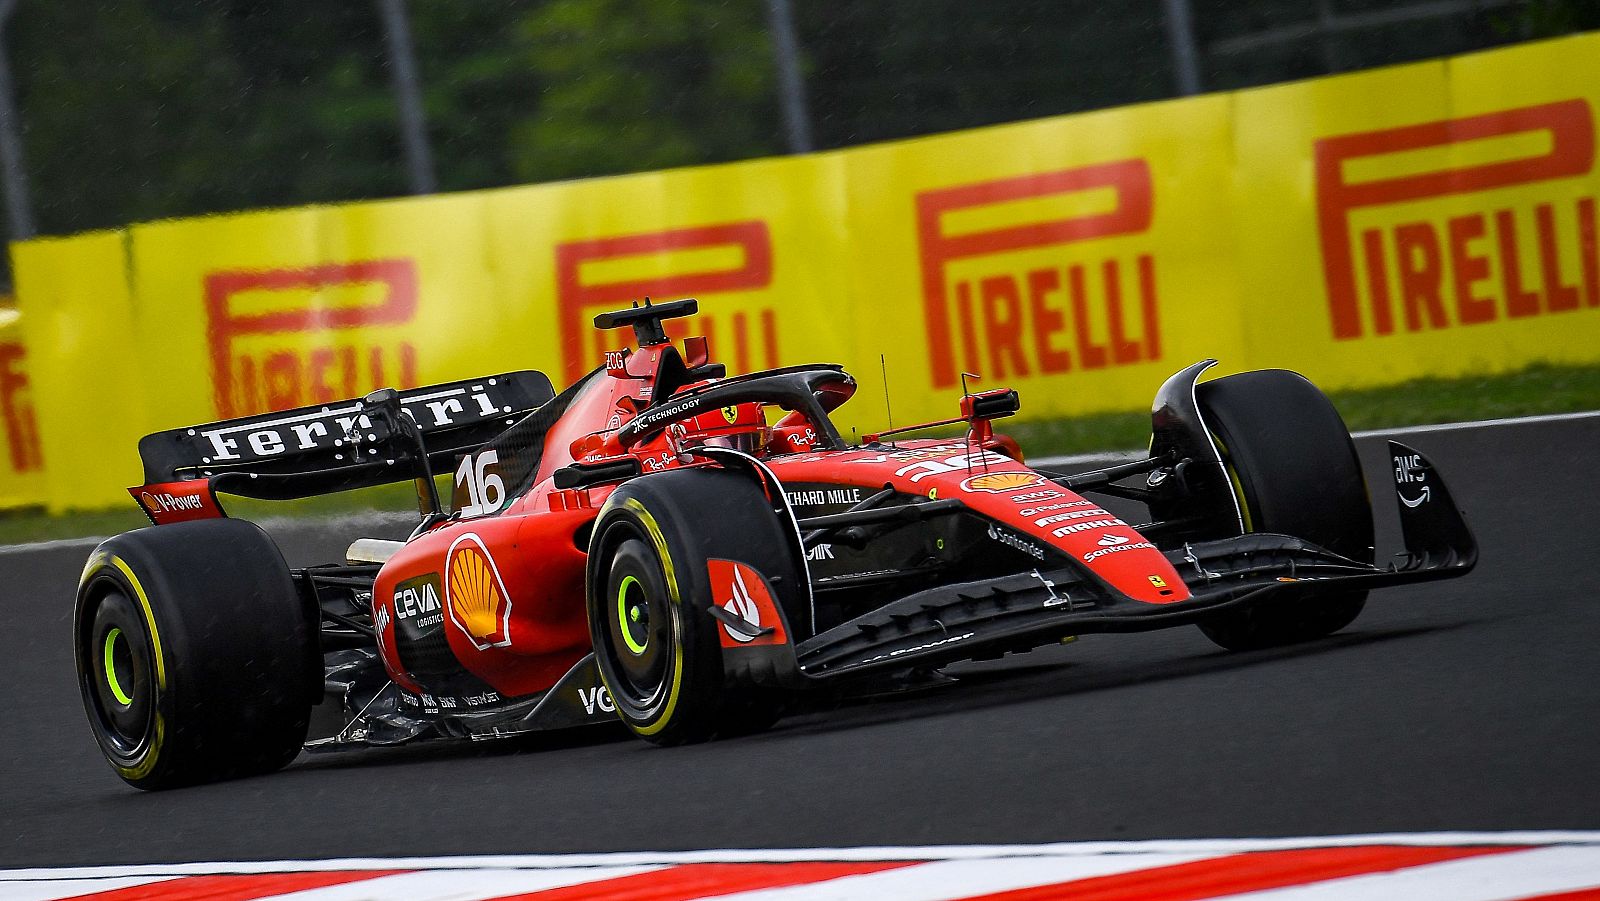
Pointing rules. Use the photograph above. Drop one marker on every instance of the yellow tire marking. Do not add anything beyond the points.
(149, 763)
(1238, 487)
(660, 541)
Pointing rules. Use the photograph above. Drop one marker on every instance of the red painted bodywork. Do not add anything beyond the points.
(536, 543)
(959, 469)
(166, 502)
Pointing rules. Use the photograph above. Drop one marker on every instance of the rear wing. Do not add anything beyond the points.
(343, 445)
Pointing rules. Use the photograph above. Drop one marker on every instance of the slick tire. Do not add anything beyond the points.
(649, 599)
(196, 656)
(1295, 472)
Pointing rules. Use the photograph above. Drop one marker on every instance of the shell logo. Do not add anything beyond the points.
(997, 482)
(475, 594)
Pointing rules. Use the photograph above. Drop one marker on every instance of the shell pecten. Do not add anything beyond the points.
(1002, 481)
(478, 605)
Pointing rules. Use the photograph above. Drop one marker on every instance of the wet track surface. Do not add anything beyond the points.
(1472, 704)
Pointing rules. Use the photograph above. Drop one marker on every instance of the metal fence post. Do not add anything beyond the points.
(791, 85)
(13, 173)
(1185, 56)
(408, 96)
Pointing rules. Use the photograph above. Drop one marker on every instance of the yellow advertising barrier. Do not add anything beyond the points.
(1067, 258)
(86, 364)
(1431, 219)
(1437, 218)
(21, 461)
(760, 244)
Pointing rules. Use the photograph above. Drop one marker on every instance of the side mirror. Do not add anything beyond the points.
(994, 404)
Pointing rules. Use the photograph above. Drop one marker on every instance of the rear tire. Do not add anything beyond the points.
(1295, 472)
(649, 597)
(196, 656)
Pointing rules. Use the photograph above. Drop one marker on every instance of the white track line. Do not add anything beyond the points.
(460, 885)
(785, 855)
(46, 889)
(1116, 456)
(963, 878)
(1479, 424)
(52, 545)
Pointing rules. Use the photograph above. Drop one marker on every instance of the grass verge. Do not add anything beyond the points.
(1537, 389)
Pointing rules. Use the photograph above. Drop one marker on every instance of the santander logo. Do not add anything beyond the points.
(743, 606)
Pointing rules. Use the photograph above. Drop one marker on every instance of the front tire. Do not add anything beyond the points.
(649, 599)
(1295, 472)
(197, 658)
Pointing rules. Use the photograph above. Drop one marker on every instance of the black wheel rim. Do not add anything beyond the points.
(119, 679)
(641, 644)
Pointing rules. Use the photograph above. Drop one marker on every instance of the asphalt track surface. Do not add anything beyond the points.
(1464, 705)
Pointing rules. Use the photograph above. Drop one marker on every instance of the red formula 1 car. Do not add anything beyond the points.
(682, 550)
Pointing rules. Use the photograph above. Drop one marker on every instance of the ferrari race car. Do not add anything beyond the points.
(683, 550)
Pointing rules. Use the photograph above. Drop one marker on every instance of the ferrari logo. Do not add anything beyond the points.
(1157, 581)
(731, 414)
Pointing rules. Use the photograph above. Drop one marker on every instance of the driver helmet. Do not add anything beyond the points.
(741, 427)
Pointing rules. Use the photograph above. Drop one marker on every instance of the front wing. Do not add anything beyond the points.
(983, 619)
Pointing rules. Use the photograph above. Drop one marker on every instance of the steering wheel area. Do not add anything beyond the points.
(814, 390)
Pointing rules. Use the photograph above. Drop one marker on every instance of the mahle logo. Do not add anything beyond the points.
(1419, 231)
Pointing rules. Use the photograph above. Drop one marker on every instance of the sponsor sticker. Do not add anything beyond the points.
(1091, 525)
(741, 591)
(821, 497)
(1031, 497)
(596, 700)
(900, 652)
(476, 595)
(1065, 517)
(1001, 482)
(1013, 540)
(1409, 470)
(416, 602)
(177, 501)
(1035, 511)
(1115, 549)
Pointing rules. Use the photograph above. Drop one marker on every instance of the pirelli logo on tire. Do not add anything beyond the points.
(1419, 231)
(1018, 277)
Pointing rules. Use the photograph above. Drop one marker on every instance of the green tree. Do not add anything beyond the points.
(630, 86)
